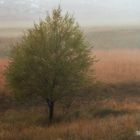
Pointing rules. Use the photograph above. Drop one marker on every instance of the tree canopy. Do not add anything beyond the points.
(51, 60)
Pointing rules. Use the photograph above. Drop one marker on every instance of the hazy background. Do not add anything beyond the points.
(107, 24)
(87, 12)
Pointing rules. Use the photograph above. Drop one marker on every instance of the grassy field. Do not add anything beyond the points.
(109, 111)
(113, 65)
(118, 65)
(108, 119)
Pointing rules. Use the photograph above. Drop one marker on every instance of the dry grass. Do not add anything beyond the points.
(113, 66)
(108, 129)
(23, 125)
(124, 105)
(114, 118)
(3, 64)
(118, 65)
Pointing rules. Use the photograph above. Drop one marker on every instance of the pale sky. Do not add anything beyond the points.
(86, 12)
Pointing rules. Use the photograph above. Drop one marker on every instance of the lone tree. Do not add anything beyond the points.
(51, 60)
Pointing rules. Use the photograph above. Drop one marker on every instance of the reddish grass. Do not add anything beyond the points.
(114, 66)
(3, 64)
(118, 65)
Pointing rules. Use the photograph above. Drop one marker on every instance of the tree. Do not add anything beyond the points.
(51, 60)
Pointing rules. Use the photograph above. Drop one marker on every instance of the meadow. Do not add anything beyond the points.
(108, 111)
(118, 65)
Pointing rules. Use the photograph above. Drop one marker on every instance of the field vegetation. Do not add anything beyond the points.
(109, 111)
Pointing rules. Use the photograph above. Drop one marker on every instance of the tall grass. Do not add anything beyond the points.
(111, 128)
(113, 66)
(114, 118)
(118, 65)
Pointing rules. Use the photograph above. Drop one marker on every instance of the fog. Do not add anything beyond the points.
(86, 12)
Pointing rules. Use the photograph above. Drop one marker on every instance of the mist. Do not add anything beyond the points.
(86, 12)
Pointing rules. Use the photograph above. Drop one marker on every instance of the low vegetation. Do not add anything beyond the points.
(109, 110)
(105, 120)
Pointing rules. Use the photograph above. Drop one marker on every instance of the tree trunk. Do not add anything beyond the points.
(50, 110)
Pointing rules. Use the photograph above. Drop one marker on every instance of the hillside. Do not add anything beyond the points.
(114, 37)
(103, 38)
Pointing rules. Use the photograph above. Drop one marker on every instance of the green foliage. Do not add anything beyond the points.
(51, 61)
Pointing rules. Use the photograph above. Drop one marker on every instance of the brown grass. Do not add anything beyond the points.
(113, 66)
(107, 119)
(3, 64)
(22, 125)
(108, 129)
(118, 65)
